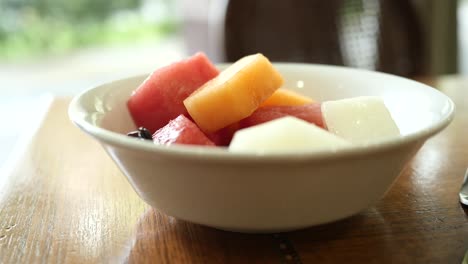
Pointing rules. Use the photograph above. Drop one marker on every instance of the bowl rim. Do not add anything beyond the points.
(203, 153)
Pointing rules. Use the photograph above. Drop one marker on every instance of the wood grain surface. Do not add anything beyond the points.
(64, 201)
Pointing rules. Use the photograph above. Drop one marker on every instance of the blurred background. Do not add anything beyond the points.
(63, 47)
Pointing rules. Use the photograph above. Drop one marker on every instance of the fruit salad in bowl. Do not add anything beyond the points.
(256, 146)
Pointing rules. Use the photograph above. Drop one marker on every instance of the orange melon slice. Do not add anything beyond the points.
(234, 94)
(284, 97)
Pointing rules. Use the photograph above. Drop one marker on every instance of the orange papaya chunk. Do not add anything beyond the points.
(287, 98)
(234, 94)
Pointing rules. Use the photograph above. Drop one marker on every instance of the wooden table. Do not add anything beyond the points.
(64, 201)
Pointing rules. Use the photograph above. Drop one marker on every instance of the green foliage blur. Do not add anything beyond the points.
(30, 28)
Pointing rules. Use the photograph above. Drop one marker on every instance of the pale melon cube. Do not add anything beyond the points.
(359, 119)
(286, 134)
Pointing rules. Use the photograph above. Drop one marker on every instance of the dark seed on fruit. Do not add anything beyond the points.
(134, 134)
(141, 133)
(144, 133)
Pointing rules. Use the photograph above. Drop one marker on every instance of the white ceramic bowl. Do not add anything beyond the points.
(268, 193)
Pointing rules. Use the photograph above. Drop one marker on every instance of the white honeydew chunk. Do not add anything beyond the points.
(286, 134)
(360, 119)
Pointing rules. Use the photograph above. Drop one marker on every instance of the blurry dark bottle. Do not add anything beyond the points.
(318, 31)
(298, 30)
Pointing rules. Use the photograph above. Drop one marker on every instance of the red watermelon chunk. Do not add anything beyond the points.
(160, 97)
(310, 112)
(181, 131)
(223, 136)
